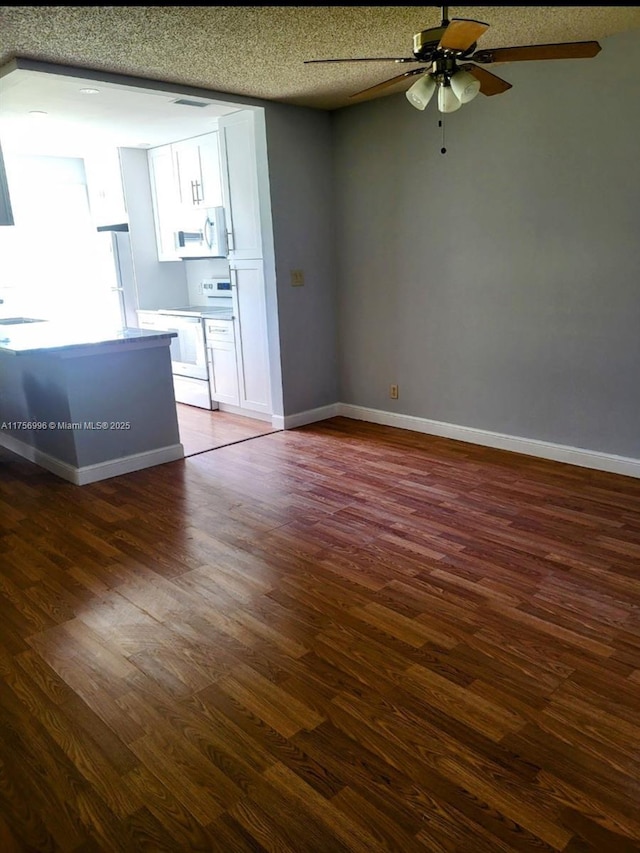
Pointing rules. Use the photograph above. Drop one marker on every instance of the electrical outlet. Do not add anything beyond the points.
(297, 278)
(393, 392)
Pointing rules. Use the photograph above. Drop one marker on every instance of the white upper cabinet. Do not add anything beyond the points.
(240, 184)
(104, 185)
(197, 168)
(212, 170)
(6, 215)
(185, 181)
(166, 201)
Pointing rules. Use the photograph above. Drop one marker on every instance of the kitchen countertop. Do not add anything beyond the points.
(45, 337)
(204, 311)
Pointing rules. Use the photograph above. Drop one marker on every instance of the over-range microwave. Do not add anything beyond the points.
(206, 239)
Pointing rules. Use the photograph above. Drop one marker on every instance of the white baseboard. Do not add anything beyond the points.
(44, 460)
(128, 464)
(596, 460)
(302, 418)
(93, 473)
(531, 447)
(245, 413)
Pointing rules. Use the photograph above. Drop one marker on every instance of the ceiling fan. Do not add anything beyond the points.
(448, 53)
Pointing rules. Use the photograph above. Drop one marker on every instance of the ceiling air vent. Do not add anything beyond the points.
(187, 103)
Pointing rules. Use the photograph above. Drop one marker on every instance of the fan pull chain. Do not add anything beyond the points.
(443, 150)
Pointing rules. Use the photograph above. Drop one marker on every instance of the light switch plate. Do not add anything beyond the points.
(297, 278)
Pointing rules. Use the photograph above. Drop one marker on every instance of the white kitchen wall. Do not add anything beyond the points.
(196, 271)
(159, 284)
(48, 259)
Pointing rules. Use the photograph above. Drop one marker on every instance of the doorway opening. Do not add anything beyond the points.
(114, 137)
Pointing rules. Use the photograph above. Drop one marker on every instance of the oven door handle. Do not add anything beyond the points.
(182, 319)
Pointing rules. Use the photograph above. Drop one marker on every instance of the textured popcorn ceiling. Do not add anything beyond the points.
(259, 50)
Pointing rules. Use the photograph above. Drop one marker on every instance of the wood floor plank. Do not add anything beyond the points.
(597, 837)
(202, 430)
(386, 834)
(239, 725)
(309, 801)
(402, 734)
(8, 841)
(579, 780)
(272, 704)
(181, 771)
(39, 814)
(397, 795)
(53, 784)
(275, 833)
(619, 823)
(408, 630)
(395, 740)
(227, 834)
(509, 798)
(344, 637)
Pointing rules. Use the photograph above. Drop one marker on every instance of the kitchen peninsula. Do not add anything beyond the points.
(87, 402)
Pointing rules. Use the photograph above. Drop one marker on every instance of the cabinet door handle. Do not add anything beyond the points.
(193, 193)
(199, 198)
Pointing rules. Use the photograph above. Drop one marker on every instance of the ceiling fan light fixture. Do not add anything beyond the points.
(456, 41)
(421, 92)
(464, 86)
(447, 100)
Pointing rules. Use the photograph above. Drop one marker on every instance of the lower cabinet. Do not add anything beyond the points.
(237, 349)
(148, 320)
(247, 283)
(223, 372)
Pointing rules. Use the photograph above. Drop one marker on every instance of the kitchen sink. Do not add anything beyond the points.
(18, 321)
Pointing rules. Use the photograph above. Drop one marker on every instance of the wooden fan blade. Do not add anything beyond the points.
(366, 59)
(391, 82)
(568, 50)
(490, 84)
(461, 34)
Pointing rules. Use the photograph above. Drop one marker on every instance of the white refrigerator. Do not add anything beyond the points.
(117, 283)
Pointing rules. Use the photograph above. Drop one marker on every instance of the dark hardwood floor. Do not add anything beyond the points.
(340, 638)
(202, 430)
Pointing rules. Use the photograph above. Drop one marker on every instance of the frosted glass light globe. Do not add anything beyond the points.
(465, 86)
(447, 101)
(421, 92)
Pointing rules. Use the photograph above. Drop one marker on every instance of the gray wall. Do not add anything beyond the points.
(499, 284)
(299, 150)
(34, 391)
(133, 385)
